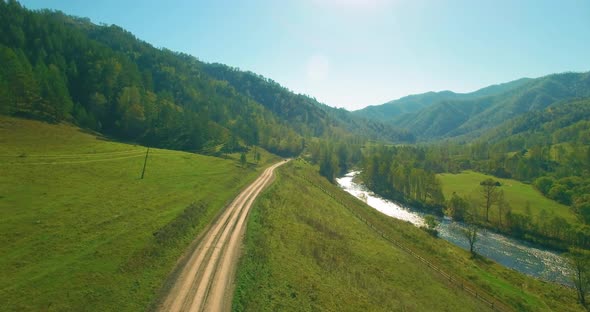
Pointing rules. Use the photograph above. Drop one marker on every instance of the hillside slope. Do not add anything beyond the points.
(392, 110)
(79, 229)
(298, 109)
(58, 67)
(536, 95)
(564, 123)
(446, 115)
(311, 246)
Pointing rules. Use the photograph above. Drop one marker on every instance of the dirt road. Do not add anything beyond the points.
(205, 282)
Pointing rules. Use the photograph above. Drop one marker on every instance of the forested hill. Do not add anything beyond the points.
(568, 122)
(470, 117)
(393, 110)
(302, 111)
(554, 141)
(62, 68)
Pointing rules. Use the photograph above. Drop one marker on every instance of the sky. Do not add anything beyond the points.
(355, 53)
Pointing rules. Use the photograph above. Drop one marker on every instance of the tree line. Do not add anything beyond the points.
(402, 173)
(408, 174)
(549, 149)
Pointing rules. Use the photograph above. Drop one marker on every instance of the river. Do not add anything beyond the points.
(512, 253)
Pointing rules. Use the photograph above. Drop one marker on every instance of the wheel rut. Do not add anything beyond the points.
(204, 283)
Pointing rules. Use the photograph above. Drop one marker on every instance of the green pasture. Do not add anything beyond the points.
(79, 229)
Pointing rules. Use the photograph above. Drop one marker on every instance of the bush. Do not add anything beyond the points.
(543, 184)
(430, 225)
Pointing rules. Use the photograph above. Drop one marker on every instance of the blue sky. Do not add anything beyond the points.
(354, 53)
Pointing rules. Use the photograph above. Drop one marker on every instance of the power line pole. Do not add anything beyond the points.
(145, 162)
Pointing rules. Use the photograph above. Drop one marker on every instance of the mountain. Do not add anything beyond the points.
(541, 93)
(549, 147)
(468, 116)
(568, 122)
(414, 103)
(298, 109)
(62, 68)
(408, 104)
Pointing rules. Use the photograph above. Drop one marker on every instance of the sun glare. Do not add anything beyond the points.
(353, 4)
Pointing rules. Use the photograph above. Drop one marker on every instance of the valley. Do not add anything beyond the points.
(138, 178)
(308, 240)
(515, 254)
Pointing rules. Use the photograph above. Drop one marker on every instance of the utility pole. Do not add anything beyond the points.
(145, 162)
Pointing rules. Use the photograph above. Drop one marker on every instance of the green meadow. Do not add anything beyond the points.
(79, 229)
(305, 251)
(519, 195)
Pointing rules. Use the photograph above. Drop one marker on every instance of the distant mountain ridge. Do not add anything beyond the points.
(567, 122)
(62, 68)
(432, 116)
(413, 103)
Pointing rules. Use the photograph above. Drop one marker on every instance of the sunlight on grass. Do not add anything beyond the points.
(78, 226)
(516, 193)
(304, 251)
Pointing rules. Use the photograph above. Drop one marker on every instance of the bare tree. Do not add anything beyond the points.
(470, 232)
(491, 194)
(579, 261)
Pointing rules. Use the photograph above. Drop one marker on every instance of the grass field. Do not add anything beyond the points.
(306, 252)
(516, 193)
(80, 231)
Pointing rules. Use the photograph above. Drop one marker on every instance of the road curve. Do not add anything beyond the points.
(204, 283)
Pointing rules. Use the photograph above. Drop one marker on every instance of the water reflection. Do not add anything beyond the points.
(512, 253)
